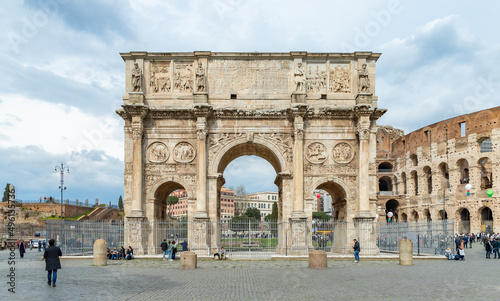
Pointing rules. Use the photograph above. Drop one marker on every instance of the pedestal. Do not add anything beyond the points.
(299, 97)
(134, 232)
(189, 260)
(200, 97)
(405, 252)
(298, 229)
(136, 97)
(199, 235)
(364, 98)
(317, 260)
(100, 252)
(366, 235)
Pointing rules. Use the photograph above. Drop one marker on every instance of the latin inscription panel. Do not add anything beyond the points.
(249, 76)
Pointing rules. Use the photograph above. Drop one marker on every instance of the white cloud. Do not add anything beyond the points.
(57, 128)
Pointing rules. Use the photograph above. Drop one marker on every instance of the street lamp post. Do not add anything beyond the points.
(61, 169)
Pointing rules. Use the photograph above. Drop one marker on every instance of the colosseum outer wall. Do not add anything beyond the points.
(435, 163)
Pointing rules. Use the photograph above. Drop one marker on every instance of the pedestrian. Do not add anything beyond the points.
(184, 246)
(174, 250)
(31, 244)
(44, 245)
(487, 247)
(22, 248)
(164, 248)
(39, 245)
(130, 253)
(466, 240)
(170, 250)
(461, 253)
(448, 254)
(52, 262)
(356, 250)
(496, 247)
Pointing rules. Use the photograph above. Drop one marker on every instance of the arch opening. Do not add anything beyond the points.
(486, 220)
(464, 220)
(392, 206)
(486, 173)
(385, 185)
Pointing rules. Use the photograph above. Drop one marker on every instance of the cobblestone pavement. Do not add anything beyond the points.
(476, 278)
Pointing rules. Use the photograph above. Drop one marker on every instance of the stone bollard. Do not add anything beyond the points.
(405, 252)
(189, 260)
(100, 252)
(317, 259)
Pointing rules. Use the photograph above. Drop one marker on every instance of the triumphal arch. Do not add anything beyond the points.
(312, 116)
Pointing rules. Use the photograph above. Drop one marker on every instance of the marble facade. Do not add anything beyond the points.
(312, 116)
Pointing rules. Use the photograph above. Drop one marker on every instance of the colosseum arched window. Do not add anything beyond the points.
(414, 160)
(428, 178)
(463, 167)
(445, 175)
(486, 173)
(486, 146)
(414, 180)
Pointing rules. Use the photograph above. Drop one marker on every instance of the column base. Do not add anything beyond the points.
(298, 227)
(200, 235)
(364, 214)
(366, 235)
(201, 214)
(136, 214)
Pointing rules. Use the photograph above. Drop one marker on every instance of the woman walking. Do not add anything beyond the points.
(52, 262)
(22, 248)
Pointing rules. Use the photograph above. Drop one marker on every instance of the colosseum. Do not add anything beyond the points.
(424, 175)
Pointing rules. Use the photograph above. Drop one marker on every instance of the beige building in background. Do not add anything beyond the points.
(312, 116)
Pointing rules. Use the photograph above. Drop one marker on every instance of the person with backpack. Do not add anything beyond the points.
(487, 247)
(164, 248)
(170, 250)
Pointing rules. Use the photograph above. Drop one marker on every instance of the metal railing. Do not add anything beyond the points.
(430, 238)
(255, 239)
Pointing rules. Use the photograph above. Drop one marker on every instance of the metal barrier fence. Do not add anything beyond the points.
(77, 238)
(431, 238)
(250, 239)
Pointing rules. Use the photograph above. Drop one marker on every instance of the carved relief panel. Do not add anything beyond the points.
(157, 152)
(184, 152)
(340, 78)
(183, 81)
(316, 153)
(342, 153)
(316, 78)
(160, 78)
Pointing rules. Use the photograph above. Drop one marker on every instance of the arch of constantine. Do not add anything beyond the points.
(423, 176)
(312, 116)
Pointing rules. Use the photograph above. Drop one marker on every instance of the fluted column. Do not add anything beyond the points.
(298, 167)
(137, 131)
(201, 194)
(363, 169)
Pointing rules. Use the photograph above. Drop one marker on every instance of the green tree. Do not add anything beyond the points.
(274, 214)
(172, 200)
(253, 212)
(120, 203)
(321, 215)
(273, 220)
(5, 197)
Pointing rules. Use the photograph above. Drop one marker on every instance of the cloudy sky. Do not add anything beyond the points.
(62, 76)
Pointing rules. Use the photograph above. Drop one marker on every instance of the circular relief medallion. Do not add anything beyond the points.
(316, 153)
(342, 153)
(157, 152)
(184, 152)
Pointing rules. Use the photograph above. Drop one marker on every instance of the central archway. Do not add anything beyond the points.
(256, 228)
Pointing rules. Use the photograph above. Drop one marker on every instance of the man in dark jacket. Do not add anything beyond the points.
(52, 262)
(356, 250)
